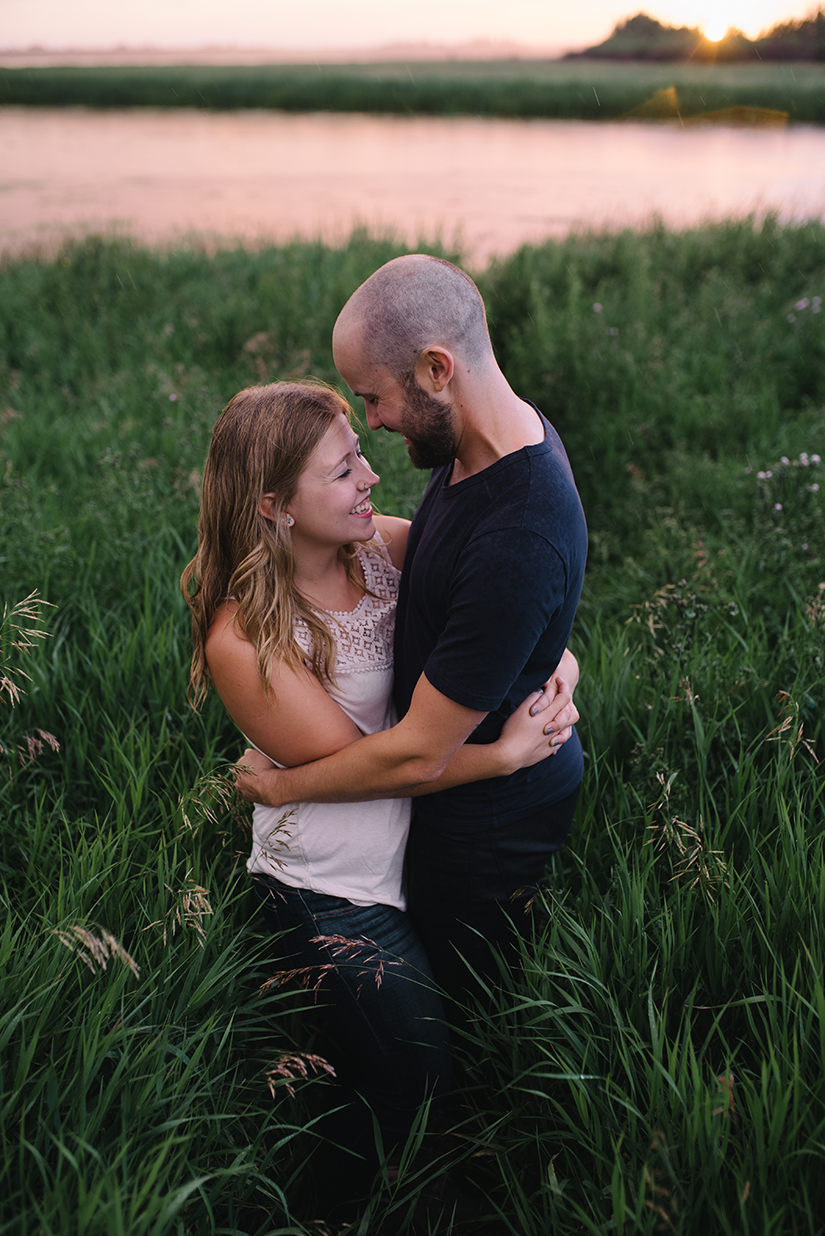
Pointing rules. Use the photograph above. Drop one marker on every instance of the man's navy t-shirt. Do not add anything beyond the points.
(492, 577)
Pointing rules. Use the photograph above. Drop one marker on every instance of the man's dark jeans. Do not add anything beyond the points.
(467, 891)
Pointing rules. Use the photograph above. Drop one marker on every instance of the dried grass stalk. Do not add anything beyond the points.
(20, 628)
(95, 950)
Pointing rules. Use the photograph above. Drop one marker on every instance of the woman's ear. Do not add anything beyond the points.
(268, 508)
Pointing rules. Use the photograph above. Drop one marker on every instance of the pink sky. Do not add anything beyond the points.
(356, 24)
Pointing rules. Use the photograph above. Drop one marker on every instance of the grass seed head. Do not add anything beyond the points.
(290, 1067)
(685, 845)
(212, 800)
(790, 731)
(95, 950)
(190, 908)
(20, 628)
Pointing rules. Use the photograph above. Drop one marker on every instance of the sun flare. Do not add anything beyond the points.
(716, 29)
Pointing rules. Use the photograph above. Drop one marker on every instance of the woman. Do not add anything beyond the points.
(293, 593)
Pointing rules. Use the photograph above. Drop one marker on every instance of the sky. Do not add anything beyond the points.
(355, 24)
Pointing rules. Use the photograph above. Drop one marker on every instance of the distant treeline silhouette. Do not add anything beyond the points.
(644, 38)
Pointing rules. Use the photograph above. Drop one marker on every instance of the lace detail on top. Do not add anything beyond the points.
(364, 636)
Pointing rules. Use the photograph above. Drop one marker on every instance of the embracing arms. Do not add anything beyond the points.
(299, 725)
(425, 752)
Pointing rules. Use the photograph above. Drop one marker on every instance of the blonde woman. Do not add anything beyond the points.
(293, 593)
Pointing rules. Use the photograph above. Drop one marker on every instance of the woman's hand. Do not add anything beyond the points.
(545, 720)
(564, 680)
(528, 737)
(252, 771)
(557, 710)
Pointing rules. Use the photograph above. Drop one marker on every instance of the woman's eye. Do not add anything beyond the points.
(345, 473)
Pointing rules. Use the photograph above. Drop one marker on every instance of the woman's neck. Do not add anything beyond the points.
(322, 578)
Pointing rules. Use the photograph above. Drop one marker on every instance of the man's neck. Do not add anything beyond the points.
(492, 430)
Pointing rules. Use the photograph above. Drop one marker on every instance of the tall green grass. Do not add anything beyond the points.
(554, 89)
(659, 1063)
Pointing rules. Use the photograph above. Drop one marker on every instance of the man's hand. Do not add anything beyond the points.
(253, 770)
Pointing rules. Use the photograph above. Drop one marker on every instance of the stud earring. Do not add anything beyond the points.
(289, 521)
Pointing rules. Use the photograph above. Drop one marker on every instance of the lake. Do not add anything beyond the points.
(489, 185)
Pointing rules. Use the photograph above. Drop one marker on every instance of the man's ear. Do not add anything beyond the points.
(267, 508)
(435, 368)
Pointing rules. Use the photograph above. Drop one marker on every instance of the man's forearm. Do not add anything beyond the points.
(358, 773)
(393, 763)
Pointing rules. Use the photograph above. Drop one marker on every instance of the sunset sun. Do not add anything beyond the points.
(716, 29)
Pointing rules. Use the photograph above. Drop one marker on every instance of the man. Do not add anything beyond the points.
(492, 576)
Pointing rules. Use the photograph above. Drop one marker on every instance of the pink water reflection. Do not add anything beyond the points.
(257, 176)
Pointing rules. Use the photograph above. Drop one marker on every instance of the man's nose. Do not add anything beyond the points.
(373, 419)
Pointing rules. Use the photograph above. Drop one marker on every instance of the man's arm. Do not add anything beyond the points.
(524, 741)
(390, 764)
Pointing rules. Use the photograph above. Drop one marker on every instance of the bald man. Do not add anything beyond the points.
(492, 575)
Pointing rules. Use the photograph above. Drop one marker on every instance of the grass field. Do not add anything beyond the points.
(576, 89)
(660, 1065)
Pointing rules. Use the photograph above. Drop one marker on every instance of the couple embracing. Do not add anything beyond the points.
(405, 689)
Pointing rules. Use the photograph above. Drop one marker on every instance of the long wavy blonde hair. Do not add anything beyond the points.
(260, 445)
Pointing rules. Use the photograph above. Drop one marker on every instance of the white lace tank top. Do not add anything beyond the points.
(351, 850)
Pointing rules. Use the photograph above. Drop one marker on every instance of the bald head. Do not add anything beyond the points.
(412, 303)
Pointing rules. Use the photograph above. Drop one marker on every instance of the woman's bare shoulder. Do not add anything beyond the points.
(393, 531)
(295, 720)
(225, 634)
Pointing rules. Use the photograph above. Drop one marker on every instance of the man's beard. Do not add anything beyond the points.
(428, 425)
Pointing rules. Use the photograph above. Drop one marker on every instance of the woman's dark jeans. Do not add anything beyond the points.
(382, 1011)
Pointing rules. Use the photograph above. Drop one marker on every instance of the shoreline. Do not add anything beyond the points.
(515, 88)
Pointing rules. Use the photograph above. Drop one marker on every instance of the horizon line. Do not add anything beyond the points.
(485, 48)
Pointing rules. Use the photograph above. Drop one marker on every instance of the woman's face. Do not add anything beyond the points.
(331, 505)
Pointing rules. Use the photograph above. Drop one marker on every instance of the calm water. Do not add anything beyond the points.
(492, 184)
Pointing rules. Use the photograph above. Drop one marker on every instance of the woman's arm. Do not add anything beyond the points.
(297, 722)
(394, 533)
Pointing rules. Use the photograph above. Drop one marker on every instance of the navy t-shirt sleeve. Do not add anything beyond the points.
(505, 592)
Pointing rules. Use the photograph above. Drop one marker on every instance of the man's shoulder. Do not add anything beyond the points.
(536, 494)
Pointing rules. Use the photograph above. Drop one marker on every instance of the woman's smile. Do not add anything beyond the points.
(333, 490)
